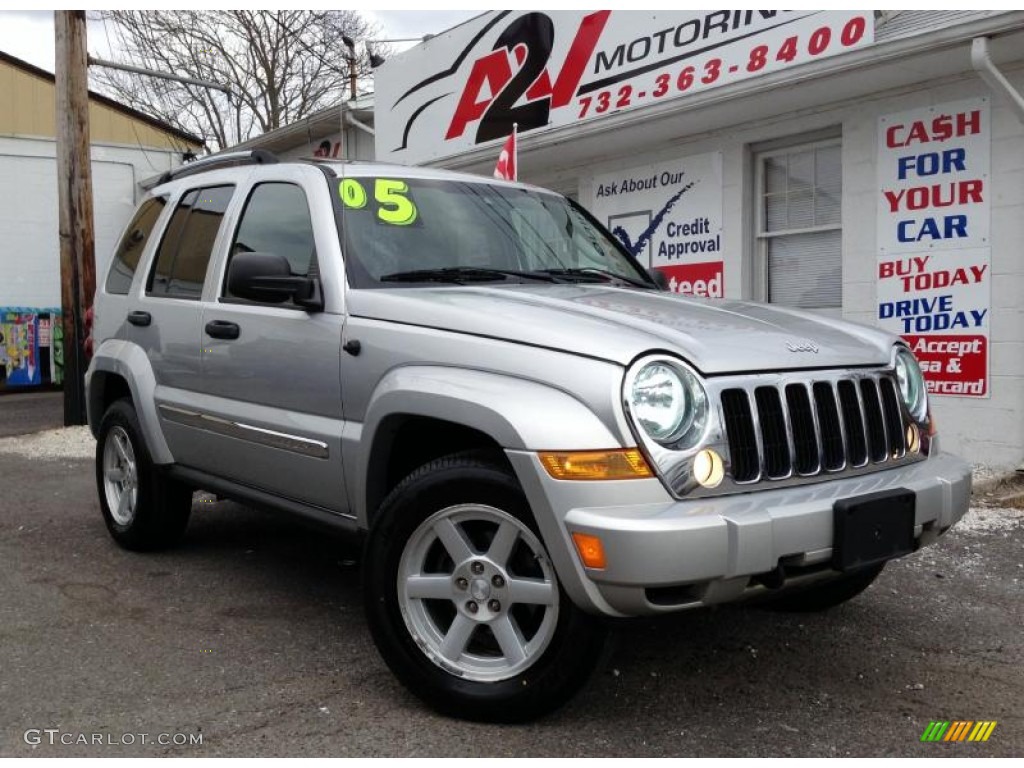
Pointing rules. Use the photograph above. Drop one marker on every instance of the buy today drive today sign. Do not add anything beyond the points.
(934, 250)
(545, 69)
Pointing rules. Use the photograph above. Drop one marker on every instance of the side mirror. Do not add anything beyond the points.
(268, 278)
(659, 278)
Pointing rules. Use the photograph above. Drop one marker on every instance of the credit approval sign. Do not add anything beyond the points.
(669, 216)
(546, 69)
(934, 253)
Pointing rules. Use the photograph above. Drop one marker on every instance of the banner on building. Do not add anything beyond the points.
(546, 69)
(934, 253)
(669, 216)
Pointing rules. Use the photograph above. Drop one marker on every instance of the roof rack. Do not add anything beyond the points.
(222, 160)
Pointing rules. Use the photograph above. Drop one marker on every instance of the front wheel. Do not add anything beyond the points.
(463, 601)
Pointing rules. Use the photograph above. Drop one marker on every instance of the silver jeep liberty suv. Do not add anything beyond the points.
(528, 432)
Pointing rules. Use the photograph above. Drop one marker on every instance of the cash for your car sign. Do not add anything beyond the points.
(548, 69)
(669, 216)
(934, 269)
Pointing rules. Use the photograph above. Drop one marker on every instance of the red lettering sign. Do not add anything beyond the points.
(519, 88)
(941, 128)
(953, 365)
(705, 279)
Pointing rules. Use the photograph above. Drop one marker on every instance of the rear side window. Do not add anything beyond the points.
(184, 252)
(133, 243)
(276, 220)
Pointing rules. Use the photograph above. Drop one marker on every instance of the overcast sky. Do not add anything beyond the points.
(29, 34)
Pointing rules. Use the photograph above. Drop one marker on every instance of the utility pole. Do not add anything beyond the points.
(353, 72)
(74, 195)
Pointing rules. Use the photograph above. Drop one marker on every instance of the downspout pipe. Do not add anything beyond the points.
(996, 80)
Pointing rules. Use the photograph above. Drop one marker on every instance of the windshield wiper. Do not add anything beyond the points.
(460, 275)
(595, 272)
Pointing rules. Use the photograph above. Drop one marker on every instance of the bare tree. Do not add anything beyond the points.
(280, 66)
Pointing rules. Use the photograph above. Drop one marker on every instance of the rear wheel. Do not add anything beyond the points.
(463, 601)
(821, 597)
(143, 509)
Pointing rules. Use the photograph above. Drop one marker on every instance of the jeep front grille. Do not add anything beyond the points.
(807, 427)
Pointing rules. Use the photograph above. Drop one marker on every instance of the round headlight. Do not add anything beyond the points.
(911, 383)
(669, 403)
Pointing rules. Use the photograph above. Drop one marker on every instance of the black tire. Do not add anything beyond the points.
(559, 671)
(821, 597)
(162, 505)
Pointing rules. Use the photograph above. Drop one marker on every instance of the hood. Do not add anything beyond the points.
(619, 324)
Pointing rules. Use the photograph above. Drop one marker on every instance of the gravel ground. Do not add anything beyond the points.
(979, 520)
(62, 443)
(251, 634)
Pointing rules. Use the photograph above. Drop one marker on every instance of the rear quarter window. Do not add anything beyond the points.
(132, 244)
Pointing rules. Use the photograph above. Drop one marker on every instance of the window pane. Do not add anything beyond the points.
(827, 166)
(828, 179)
(775, 174)
(801, 170)
(801, 209)
(197, 241)
(184, 252)
(775, 213)
(133, 242)
(827, 207)
(805, 270)
(276, 220)
(808, 186)
(161, 275)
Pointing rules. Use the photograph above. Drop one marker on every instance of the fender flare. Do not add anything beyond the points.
(518, 414)
(130, 362)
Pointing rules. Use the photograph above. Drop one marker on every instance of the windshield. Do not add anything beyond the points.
(427, 230)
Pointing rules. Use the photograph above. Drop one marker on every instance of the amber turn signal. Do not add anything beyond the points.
(590, 549)
(626, 464)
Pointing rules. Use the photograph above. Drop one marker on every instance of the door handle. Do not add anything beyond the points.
(222, 329)
(140, 318)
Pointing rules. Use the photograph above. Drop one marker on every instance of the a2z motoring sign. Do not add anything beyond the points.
(542, 70)
(669, 216)
(934, 268)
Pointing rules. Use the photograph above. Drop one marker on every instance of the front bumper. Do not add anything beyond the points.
(666, 555)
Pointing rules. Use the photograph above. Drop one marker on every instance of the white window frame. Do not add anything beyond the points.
(762, 236)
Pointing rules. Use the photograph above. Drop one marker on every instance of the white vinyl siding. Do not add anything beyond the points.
(29, 244)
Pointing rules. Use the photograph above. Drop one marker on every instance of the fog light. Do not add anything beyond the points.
(708, 469)
(590, 548)
(913, 439)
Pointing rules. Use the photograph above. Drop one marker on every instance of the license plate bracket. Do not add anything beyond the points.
(871, 529)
